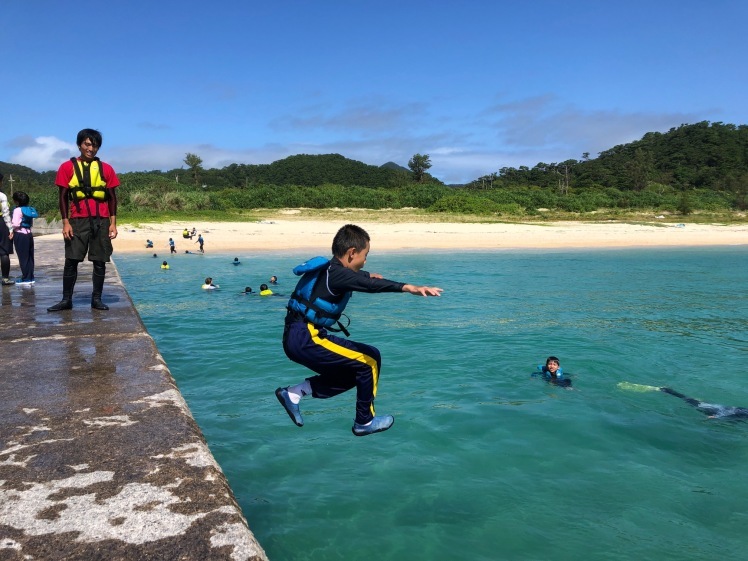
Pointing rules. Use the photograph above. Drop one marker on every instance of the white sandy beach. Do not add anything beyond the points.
(316, 235)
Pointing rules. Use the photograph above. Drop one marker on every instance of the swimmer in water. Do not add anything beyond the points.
(711, 410)
(553, 373)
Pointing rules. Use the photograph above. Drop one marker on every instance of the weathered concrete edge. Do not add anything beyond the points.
(110, 463)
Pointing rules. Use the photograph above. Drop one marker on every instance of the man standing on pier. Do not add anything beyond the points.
(88, 206)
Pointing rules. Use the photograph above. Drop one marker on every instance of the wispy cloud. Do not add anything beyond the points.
(370, 117)
(547, 124)
(154, 126)
(505, 134)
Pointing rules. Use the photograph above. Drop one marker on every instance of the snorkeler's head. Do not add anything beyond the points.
(552, 359)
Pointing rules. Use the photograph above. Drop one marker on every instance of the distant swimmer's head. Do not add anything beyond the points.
(164, 263)
(236, 259)
(263, 287)
(155, 255)
(209, 280)
(247, 289)
(273, 279)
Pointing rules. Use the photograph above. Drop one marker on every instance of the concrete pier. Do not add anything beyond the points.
(100, 458)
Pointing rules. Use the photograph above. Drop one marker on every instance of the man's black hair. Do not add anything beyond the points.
(21, 198)
(92, 134)
(349, 236)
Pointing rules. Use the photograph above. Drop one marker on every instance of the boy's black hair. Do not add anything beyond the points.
(349, 236)
(21, 198)
(263, 287)
(92, 134)
(552, 358)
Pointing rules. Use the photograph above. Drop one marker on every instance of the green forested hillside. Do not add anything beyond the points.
(703, 156)
(305, 170)
(703, 166)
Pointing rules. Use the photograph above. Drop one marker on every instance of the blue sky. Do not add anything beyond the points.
(477, 85)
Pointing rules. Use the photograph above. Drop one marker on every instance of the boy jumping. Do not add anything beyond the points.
(317, 303)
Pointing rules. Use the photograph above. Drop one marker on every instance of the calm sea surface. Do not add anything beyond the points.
(484, 462)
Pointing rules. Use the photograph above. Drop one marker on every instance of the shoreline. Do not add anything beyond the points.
(317, 235)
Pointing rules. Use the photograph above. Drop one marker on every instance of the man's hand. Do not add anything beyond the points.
(67, 230)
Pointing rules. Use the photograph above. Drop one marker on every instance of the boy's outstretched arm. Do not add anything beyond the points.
(422, 290)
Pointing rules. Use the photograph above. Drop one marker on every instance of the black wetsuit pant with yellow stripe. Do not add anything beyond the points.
(340, 364)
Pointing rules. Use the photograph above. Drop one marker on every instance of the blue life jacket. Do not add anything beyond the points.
(546, 374)
(320, 312)
(28, 213)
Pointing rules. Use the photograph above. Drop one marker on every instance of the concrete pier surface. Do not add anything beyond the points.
(100, 458)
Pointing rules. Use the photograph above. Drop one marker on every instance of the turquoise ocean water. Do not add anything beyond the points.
(484, 462)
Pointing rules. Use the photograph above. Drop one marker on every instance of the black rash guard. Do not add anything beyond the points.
(336, 280)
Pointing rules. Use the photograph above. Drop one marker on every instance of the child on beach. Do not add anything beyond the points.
(172, 246)
(23, 240)
(201, 241)
(316, 306)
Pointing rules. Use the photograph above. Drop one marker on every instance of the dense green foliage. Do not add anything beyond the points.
(708, 160)
(693, 167)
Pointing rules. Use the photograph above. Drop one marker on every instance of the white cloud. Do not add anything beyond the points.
(43, 152)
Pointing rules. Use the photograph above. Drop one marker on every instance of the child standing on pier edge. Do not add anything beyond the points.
(315, 307)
